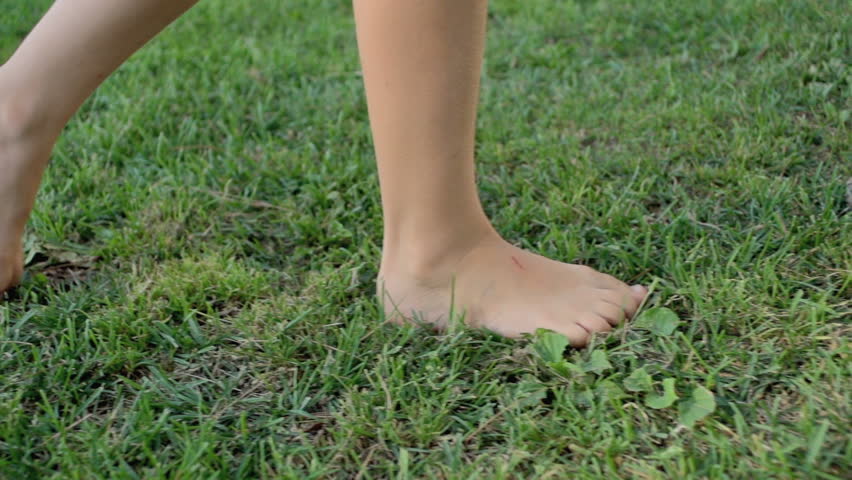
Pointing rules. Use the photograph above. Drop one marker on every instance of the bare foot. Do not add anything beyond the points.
(11, 268)
(510, 291)
(25, 146)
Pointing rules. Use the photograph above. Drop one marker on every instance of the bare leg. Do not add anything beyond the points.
(77, 45)
(421, 62)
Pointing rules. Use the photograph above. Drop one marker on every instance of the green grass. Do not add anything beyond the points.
(201, 261)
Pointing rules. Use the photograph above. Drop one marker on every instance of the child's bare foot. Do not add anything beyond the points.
(11, 268)
(25, 145)
(509, 291)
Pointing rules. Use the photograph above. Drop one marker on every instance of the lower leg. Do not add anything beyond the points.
(421, 63)
(75, 46)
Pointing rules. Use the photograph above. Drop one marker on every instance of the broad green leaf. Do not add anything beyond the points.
(609, 390)
(696, 407)
(597, 362)
(529, 392)
(586, 398)
(549, 345)
(659, 321)
(639, 381)
(666, 399)
(565, 368)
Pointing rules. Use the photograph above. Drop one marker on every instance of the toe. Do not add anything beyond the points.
(594, 323)
(614, 314)
(577, 334)
(625, 298)
(639, 293)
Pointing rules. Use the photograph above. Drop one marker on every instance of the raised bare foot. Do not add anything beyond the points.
(25, 145)
(510, 291)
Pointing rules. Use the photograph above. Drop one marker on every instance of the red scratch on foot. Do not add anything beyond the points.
(518, 263)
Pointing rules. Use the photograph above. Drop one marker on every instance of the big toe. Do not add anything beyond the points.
(626, 298)
(638, 292)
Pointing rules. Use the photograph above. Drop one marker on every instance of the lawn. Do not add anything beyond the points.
(199, 302)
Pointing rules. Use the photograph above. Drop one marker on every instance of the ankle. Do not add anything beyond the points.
(432, 254)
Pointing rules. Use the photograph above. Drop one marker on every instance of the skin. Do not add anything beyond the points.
(75, 46)
(421, 62)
